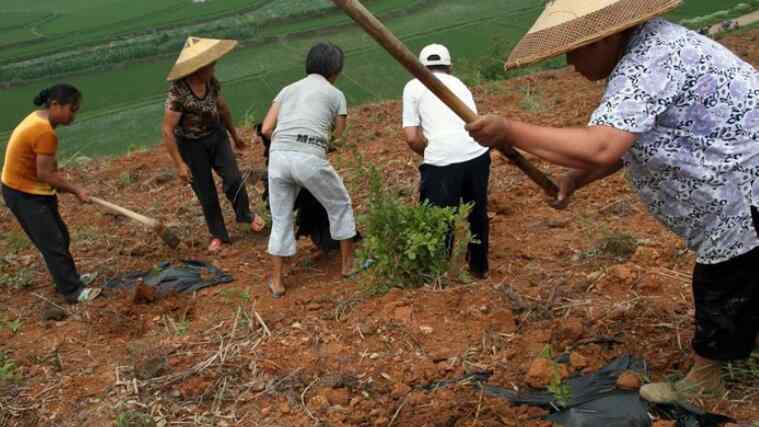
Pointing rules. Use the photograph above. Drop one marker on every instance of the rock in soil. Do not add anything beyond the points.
(577, 361)
(151, 368)
(52, 312)
(542, 372)
(629, 381)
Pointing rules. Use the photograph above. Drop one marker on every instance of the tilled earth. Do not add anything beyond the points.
(600, 279)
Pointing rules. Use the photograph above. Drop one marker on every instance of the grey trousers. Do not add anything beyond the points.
(289, 171)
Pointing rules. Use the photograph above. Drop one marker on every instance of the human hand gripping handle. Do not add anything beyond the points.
(400, 52)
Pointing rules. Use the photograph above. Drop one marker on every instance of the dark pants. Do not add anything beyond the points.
(726, 296)
(447, 186)
(214, 153)
(40, 219)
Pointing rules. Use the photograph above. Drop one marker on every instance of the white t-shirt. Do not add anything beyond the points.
(307, 112)
(448, 141)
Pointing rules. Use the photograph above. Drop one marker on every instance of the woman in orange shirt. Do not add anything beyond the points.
(31, 178)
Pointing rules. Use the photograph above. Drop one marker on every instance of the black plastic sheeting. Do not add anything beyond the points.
(594, 401)
(187, 276)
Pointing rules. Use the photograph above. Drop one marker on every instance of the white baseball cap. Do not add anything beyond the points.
(435, 54)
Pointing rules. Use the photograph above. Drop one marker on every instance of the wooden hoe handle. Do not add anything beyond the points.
(400, 52)
(150, 222)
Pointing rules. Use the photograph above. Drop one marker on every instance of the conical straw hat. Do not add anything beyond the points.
(197, 53)
(566, 25)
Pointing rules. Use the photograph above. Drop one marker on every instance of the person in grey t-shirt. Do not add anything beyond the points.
(301, 121)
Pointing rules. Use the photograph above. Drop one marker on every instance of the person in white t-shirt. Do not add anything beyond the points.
(455, 167)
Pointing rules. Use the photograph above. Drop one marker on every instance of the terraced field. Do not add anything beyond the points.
(124, 101)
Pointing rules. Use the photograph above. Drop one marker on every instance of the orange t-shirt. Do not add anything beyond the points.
(32, 137)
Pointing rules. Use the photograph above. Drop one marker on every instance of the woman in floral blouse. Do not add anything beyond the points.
(195, 126)
(681, 114)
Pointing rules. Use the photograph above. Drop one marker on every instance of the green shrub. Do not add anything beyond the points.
(407, 244)
(8, 370)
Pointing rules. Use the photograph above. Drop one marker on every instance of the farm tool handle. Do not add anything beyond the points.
(400, 52)
(150, 222)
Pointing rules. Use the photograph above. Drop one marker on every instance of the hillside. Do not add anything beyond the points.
(601, 279)
(120, 60)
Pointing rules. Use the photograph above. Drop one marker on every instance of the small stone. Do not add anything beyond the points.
(569, 330)
(319, 402)
(52, 312)
(284, 408)
(426, 329)
(577, 361)
(645, 256)
(540, 374)
(620, 276)
(629, 381)
(151, 368)
(338, 396)
(400, 391)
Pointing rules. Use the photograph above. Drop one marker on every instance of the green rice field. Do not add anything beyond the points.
(123, 104)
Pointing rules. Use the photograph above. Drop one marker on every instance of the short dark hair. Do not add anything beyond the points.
(325, 59)
(446, 68)
(64, 94)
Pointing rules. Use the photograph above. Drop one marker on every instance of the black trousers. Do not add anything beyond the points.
(214, 153)
(726, 296)
(40, 219)
(447, 186)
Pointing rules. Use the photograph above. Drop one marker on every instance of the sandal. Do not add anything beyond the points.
(363, 267)
(681, 391)
(274, 294)
(215, 246)
(88, 278)
(84, 295)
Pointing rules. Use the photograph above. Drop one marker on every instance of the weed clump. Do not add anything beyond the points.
(408, 246)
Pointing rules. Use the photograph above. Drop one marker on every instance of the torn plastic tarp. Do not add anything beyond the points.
(187, 276)
(594, 401)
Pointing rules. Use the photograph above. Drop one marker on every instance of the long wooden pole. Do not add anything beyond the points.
(403, 55)
(166, 235)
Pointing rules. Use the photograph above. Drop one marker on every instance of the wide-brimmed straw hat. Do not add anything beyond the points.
(197, 53)
(566, 25)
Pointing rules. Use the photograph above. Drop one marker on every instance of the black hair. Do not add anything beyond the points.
(325, 59)
(63, 94)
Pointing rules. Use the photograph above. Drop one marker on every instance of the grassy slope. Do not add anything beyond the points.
(123, 107)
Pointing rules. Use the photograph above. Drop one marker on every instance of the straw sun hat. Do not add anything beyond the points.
(566, 25)
(197, 53)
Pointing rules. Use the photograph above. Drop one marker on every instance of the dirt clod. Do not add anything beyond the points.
(577, 361)
(541, 373)
(52, 312)
(629, 381)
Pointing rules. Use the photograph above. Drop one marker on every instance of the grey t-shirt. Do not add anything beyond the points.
(307, 112)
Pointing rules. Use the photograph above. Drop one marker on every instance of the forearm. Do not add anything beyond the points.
(170, 142)
(226, 119)
(57, 181)
(587, 177)
(578, 148)
(418, 146)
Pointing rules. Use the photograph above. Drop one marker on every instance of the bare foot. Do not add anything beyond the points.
(258, 225)
(215, 246)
